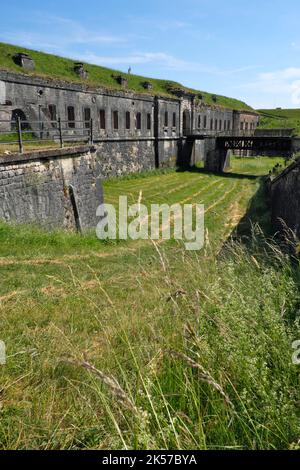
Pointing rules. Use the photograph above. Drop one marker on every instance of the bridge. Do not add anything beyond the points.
(265, 142)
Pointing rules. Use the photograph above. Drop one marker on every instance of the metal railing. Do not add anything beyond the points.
(223, 133)
(20, 132)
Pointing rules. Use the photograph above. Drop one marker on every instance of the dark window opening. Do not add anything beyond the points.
(211, 124)
(205, 122)
(87, 118)
(149, 122)
(127, 116)
(220, 124)
(242, 126)
(102, 119)
(52, 112)
(216, 124)
(174, 119)
(138, 121)
(18, 113)
(115, 120)
(166, 119)
(71, 117)
(199, 121)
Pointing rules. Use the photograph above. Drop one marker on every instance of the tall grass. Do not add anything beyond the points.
(134, 347)
(202, 361)
(217, 373)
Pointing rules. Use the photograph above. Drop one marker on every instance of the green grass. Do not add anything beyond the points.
(199, 343)
(274, 118)
(55, 67)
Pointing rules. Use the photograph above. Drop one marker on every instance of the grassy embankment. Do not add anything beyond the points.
(274, 118)
(51, 66)
(192, 350)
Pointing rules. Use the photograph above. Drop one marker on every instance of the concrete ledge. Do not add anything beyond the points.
(44, 154)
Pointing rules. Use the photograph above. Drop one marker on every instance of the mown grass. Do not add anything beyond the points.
(191, 350)
(276, 118)
(55, 67)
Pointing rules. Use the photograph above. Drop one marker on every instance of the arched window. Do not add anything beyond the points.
(18, 113)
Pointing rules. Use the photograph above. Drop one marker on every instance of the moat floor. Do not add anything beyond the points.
(192, 349)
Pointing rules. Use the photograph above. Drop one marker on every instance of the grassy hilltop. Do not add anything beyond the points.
(51, 66)
(272, 118)
(192, 350)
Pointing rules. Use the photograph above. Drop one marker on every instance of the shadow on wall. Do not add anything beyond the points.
(185, 152)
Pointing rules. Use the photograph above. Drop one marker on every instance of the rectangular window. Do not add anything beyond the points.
(115, 120)
(205, 122)
(102, 119)
(199, 121)
(71, 117)
(228, 125)
(149, 122)
(246, 126)
(52, 112)
(166, 119)
(138, 121)
(220, 124)
(87, 117)
(242, 126)
(174, 120)
(128, 123)
(211, 124)
(216, 124)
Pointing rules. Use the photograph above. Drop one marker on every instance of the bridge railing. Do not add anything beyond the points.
(224, 133)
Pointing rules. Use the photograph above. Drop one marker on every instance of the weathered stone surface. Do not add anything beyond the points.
(285, 199)
(39, 191)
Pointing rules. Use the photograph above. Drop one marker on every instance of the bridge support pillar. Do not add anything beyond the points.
(216, 160)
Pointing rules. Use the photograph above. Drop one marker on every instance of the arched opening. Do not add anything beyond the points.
(186, 122)
(18, 113)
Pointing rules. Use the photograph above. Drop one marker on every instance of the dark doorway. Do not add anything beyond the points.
(186, 122)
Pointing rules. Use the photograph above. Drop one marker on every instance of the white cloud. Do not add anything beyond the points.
(158, 58)
(57, 34)
(281, 86)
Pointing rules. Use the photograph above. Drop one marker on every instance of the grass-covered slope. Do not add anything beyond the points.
(273, 118)
(55, 67)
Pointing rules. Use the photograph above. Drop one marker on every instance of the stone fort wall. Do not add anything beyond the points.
(52, 188)
(118, 115)
(132, 133)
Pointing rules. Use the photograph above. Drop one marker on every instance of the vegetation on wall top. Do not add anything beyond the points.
(286, 118)
(55, 67)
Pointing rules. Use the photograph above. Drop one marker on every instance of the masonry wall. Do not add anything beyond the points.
(52, 189)
(285, 199)
(166, 120)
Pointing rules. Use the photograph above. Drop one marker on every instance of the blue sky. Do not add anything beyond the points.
(245, 49)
